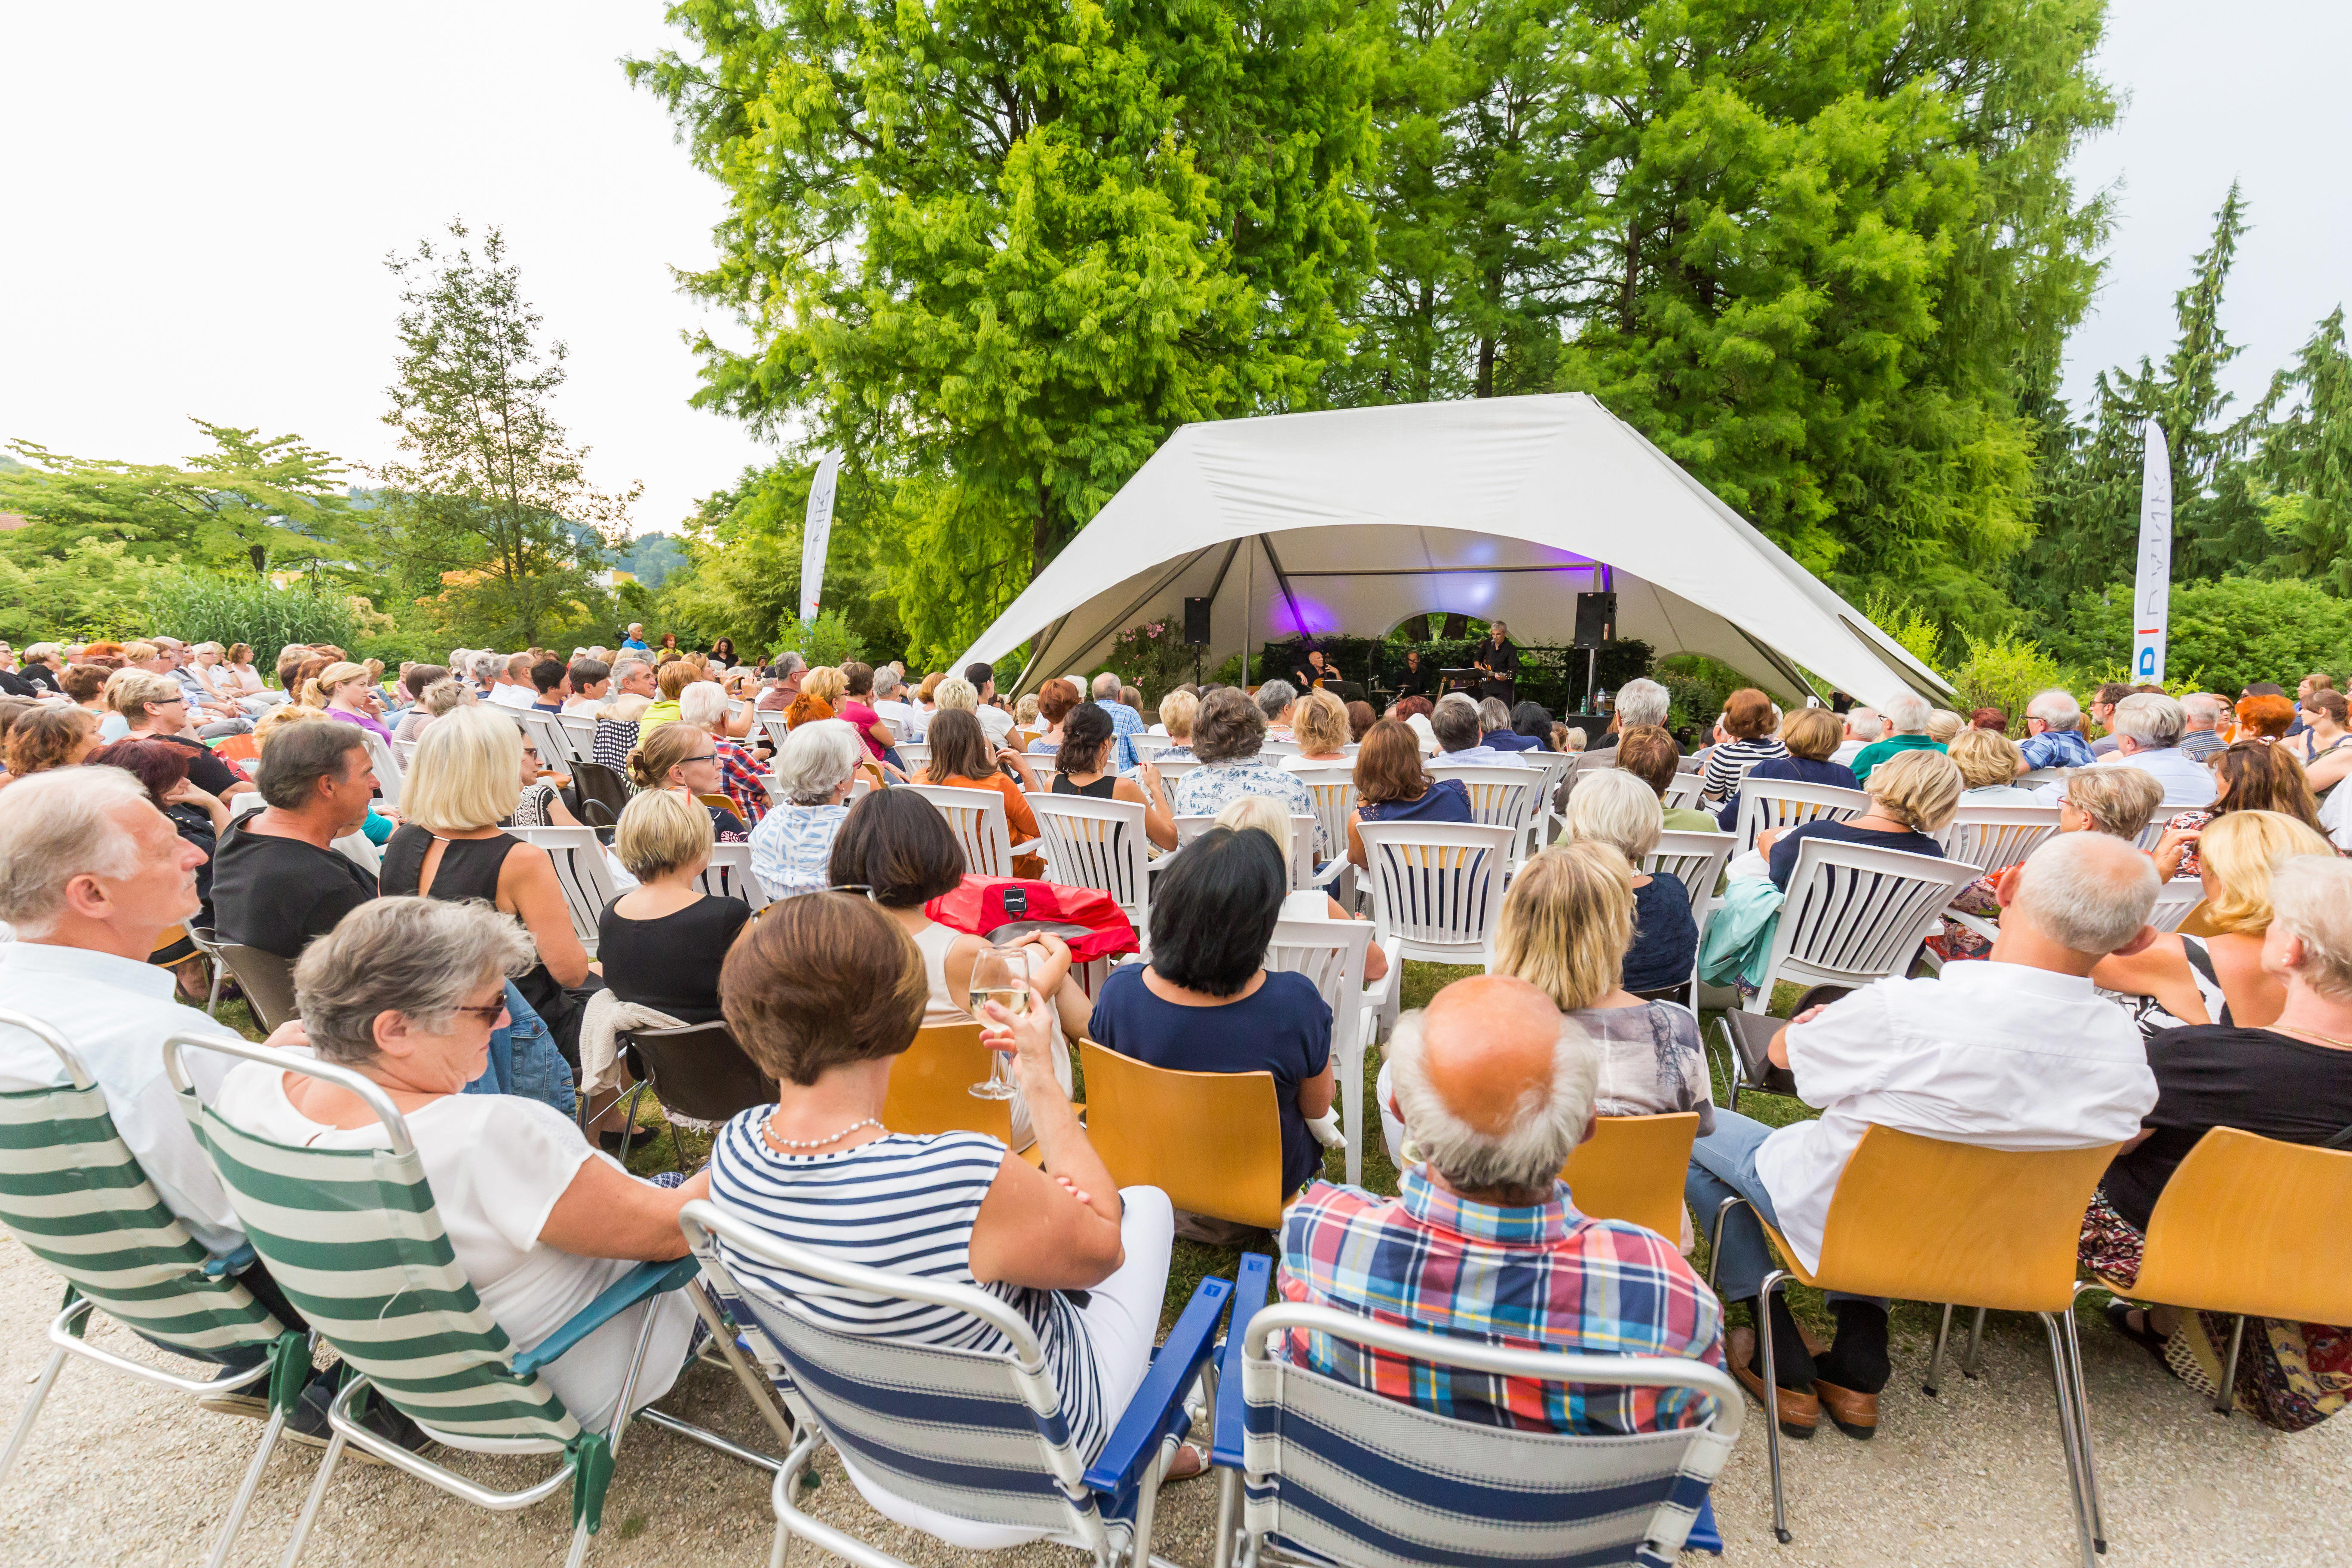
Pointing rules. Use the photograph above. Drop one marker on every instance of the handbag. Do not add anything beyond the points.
(1003, 908)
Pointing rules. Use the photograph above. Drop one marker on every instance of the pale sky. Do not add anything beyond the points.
(199, 201)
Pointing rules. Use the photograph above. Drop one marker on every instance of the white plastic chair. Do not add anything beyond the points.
(773, 723)
(729, 876)
(1697, 860)
(1557, 766)
(915, 754)
(1332, 788)
(1096, 843)
(550, 740)
(1170, 770)
(1149, 747)
(1684, 792)
(2174, 899)
(1995, 837)
(2035, 777)
(977, 818)
(1774, 804)
(1302, 844)
(587, 881)
(1280, 749)
(1855, 914)
(1332, 953)
(1507, 797)
(1437, 888)
(389, 769)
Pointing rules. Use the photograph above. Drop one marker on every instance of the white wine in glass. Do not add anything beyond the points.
(1000, 975)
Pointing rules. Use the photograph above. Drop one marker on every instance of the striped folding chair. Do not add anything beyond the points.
(74, 1196)
(337, 1227)
(976, 1434)
(1315, 1469)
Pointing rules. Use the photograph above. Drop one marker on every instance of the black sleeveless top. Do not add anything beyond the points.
(1103, 788)
(468, 869)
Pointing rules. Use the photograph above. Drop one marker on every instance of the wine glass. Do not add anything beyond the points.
(999, 975)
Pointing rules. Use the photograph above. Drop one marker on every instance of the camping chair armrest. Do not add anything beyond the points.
(646, 1280)
(1249, 1295)
(1159, 1405)
(236, 1262)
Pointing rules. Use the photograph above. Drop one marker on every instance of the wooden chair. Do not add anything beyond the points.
(1096, 843)
(930, 1086)
(2235, 1231)
(1785, 803)
(1437, 888)
(1922, 1220)
(1631, 1168)
(1211, 1140)
(977, 818)
(580, 868)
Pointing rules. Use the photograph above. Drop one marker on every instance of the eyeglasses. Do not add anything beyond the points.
(490, 1014)
(706, 757)
(864, 888)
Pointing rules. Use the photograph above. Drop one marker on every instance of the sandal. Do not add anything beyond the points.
(2119, 1315)
(1176, 1472)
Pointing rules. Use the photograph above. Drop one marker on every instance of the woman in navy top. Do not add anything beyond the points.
(1392, 787)
(1811, 734)
(1906, 804)
(1206, 1002)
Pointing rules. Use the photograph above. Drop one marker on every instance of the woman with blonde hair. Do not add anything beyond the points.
(1943, 724)
(664, 940)
(819, 699)
(1615, 808)
(1912, 794)
(1272, 817)
(460, 785)
(2217, 978)
(345, 692)
(1177, 712)
(682, 757)
(1319, 722)
(1989, 763)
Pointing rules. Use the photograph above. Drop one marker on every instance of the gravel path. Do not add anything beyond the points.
(127, 1478)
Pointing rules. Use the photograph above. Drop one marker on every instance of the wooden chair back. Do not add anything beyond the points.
(1211, 1140)
(1631, 1168)
(930, 1086)
(2240, 1229)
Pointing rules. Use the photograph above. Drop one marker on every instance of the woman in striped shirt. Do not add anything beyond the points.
(1749, 720)
(824, 993)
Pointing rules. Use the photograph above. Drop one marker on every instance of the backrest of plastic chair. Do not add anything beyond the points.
(1997, 836)
(915, 753)
(1302, 843)
(1173, 769)
(1694, 860)
(729, 876)
(1436, 883)
(352, 1237)
(1332, 788)
(1631, 1168)
(1094, 843)
(268, 981)
(1331, 954)
(1211, 1140)
(1856, 913)
(773, 723)
(699, 1072)
(2174, 900)
(1272, 748)
(1346, 1475)
(2237, 1229)
(1503, 797)
(547, 737)
(1786, 803)
(1148, 747)
(976, 816)
(73, 1195)
(388, 771)
(1928, 1219)
(1683, 792)
(581, 870)
(930, 1086)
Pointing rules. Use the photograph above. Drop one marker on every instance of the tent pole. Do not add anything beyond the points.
(1249, 608)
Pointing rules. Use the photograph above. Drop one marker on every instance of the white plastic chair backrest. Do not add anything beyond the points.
(859, 788)
(773, 723)
(1683, 792)
(2153, 834)
(2174, 899)
(2033, 776)
(1694, 859)
(1272, 748)
(361, 851)
(1505, 796)
(1095, 844)
(1855, 914)
(1146, 747)
(729, 876)
(977, 818)
(1995, 837)
(1785, 803)
(1332, 953)
(915, 754)
(389, 774)
(580, 868)
(552, 741)
(1170, 770)
(1332, 787)
(1302, 844)
(1436, 885)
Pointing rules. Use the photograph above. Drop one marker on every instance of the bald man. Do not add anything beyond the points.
(1495, 1087)
(2018, 1051)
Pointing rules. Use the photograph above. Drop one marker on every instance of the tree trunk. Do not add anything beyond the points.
(1486, 387)
(1456, 628)
(1045, 541)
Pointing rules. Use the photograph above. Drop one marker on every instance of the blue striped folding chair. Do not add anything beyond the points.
(1331, 1474)
(353, 1238)
(73, 1193)
(975, 1435)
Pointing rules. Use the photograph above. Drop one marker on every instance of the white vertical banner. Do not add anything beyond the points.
(816, 532)
(2152, 583)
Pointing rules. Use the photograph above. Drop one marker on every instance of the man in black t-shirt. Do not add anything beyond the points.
(277, 881)
(1499, 657)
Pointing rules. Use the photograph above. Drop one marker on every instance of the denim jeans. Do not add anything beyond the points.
(524, 1059)
(1722, 1165)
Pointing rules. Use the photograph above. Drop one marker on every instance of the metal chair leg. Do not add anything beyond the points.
(1226, 1547)
(2062, 1382)
(235, 1520)
(335, 1445)
(2226, 1402)
(1771, 1401)
(24, 1419)
(2082, 1397)
(1714, 1237)
(1970, 1362)
(1935, 1353)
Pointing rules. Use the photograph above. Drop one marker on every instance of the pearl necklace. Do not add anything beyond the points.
(770, 1134)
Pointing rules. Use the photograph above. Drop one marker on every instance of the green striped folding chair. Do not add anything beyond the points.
(73, 1195)
(353, 1238)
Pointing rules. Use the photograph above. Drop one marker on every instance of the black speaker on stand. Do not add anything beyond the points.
(1596, 623)
(1196, 632)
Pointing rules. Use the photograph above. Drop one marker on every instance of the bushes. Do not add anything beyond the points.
(2225, 634)
(2004, 673)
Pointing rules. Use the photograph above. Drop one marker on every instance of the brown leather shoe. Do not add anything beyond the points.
(1799, 1413)
(1855, 1414)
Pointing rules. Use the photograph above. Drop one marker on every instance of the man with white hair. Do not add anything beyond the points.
(635, 641)
(2019, 1051)
(510, 683)
(1862, 726)
(890, 702)
(1124, 721)
(2054, 732)
(1461, 735)
(1640, 702)
(1906, 716)
(1496, 1086)
(2201, 713)
(2148, 727)
(780, 683)
(1274, 699)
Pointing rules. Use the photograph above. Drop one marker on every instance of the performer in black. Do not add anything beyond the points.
(1499, 657)
(1416, 679)
(1312, 672)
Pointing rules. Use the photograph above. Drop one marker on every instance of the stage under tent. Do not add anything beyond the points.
(1354, 519)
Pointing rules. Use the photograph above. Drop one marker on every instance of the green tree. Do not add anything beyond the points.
(251, 502)
(994, 254)
(490, 509)
(2225, 634)
(2307, 456)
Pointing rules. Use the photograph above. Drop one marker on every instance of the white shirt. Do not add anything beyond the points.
(2001, 1055)
(2000, 794)
(1418, 724)
(497, 1163)
(1847, 751)
(115, 1012)
(996, 721)
(113, 727)
(584, 704)
(513, 696)
(906, 715)
(1486, 756)
(2186, 781)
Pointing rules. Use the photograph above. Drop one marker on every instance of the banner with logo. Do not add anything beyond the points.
(816, 532)
(2152, 584)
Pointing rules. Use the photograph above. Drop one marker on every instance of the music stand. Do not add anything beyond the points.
(1466, 678)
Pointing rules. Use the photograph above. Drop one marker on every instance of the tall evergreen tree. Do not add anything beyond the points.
(2306, 457)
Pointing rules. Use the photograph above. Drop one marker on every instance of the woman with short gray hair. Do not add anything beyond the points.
(406, 993)
(815, 773)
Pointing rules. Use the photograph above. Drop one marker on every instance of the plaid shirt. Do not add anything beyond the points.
(1125, 722)
(1539, 1278)
(2056, 749)
(740, 779)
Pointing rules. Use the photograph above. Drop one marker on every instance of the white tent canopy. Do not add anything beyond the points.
(1501, 509)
